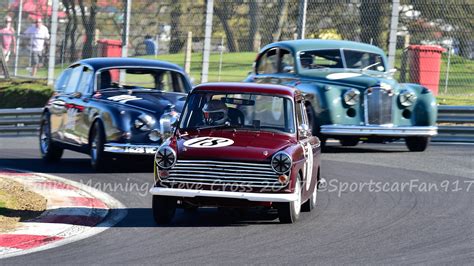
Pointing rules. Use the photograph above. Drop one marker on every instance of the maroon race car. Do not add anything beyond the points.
(239, 145)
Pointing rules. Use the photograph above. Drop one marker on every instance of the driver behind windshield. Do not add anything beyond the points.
(215, 113)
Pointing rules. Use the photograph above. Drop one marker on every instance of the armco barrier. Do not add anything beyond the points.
(456, 123)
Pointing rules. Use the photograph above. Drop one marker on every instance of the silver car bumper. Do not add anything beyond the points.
(122, 148)
(191, 193)
(389, 131)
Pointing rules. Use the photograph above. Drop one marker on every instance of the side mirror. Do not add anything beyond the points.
(303, 130)
(288, 69)
(168, 123)
(76, 94)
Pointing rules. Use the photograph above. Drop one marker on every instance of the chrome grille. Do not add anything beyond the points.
(253, 175)
(378, 106)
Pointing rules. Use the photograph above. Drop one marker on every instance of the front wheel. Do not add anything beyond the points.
(164, 208)
(349, 142)
(96, 146)
(417, 143)
(50, 152)
(289, 212)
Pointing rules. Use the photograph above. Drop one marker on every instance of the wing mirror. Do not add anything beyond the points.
(304, 131)
(76, 95)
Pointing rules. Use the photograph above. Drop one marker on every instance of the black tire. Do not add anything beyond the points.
(349, 142)
(315, 125)
(164, 208)
(50, 152)
(289, 212)
(417, 143)
(96, 147)
(310, 204)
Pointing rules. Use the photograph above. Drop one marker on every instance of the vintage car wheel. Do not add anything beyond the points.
(417, 143)
(349, 142)
(164, 208)
(50, 152)
(96, 146)
(289, 212)
(310, 204)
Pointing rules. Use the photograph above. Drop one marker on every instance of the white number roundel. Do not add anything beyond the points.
(208, 142)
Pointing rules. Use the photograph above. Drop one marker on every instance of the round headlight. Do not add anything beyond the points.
(144, 122)
(165, 157)
(351, 96)
(281, 162)
(407, 97)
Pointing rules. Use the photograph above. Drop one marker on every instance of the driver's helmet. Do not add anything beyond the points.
(306, 60)
(215, 112)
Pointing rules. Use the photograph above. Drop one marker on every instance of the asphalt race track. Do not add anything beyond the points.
(429, 220)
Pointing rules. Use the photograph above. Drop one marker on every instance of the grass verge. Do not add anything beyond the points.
(17, 204)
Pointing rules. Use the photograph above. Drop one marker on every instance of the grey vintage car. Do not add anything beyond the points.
(108, 107)
(351, 95)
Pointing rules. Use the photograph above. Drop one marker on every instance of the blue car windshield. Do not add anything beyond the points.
(247, 111)
(332, 58)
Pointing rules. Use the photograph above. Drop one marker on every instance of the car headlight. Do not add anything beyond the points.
(167, 122)
(351, 96)
(281, 162)
(144, 122)
(165, 157)
(407, 97)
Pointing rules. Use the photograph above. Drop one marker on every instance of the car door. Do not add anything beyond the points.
(77, 126)
(309, 144)
(69, 116)
(57, 108)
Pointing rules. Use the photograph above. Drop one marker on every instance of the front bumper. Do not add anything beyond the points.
(376, 130)
(125, 148)
(191, 193)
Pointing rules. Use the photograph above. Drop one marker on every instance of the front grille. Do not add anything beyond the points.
(221, 173)
(378, 106)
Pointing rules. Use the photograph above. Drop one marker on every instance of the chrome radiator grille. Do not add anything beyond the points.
(253, 175)
(378, 106)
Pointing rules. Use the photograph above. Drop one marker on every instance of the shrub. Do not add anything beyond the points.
(24, 93)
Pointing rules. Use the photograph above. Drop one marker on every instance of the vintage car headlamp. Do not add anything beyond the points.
(351, 96)
(165, 157)
(407, 97)
(281, 162)
(144, 122)
(167, 122)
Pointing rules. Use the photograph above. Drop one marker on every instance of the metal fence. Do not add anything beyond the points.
(455, 123)
(240, 28)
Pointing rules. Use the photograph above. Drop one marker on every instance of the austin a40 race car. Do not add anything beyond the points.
(239, 144)
(112, 106)
(350, 93)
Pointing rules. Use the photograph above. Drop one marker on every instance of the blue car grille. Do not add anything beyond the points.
(378, 106)
(222, 173)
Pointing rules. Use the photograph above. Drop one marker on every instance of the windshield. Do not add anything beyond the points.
(141, 78)
(246, 111)
(332, 58)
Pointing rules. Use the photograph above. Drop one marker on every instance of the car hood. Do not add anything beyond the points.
(349, 78)
(154, 102)
(249, 146)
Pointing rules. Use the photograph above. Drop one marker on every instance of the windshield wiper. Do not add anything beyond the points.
(369, 66)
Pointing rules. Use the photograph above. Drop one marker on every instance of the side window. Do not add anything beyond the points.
(268, 63)
(73, 80)
(84, 82)
(62, 80)
(287, 61)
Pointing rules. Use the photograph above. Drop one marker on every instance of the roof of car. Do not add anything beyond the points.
(310, 44)
(103, 62)
(241, 87)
